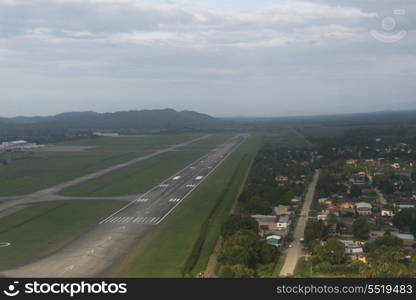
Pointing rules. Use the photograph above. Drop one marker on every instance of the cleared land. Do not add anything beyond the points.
(30, 172)
(40, 229)
(170, 247)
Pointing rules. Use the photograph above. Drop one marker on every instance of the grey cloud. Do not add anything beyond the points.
(290, 57)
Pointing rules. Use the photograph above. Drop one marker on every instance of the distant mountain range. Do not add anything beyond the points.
(145, 119)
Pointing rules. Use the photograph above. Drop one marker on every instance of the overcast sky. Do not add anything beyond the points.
(224, 57)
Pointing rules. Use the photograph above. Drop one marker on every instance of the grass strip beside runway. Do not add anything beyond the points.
(40, 229)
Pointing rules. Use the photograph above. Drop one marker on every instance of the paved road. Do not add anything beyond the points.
(293, 254)
(113, 237)
(49, 194)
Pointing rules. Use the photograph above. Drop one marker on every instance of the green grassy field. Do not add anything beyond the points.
(168, 249)
(135, 143)
(137, 178)
(143, 175)
(42, 228)
(34, 171)
(286, 138)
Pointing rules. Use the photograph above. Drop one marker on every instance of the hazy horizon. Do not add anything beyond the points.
(226, 59)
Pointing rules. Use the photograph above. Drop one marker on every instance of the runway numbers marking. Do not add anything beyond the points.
(164, 185)
(199, 177)
(175, 200)
(190, 185)
(176, 177)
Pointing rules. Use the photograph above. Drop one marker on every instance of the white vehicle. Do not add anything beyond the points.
(301, 239)
(290, 246)
(199, 177)
(176, 177)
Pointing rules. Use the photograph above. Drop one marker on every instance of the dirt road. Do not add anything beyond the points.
(293, 254)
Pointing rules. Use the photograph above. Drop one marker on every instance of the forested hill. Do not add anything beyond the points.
(144, 119)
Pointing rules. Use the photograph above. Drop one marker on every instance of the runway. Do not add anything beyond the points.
(154, 206)
(93, 253)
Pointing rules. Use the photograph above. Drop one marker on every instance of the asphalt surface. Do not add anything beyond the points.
(293, 254)
(155, 205)
(101, 247)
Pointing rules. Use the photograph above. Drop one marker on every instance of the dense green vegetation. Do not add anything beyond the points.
(243, 251)
(40, 229)
(387, 259)
(406, 220)
(263, 189)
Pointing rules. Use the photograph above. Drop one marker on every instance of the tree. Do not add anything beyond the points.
(361, 228)
(332, 251)
(235, 223)
(315, 230)
(240, 248)
(385, 261)
(237, 271)
(405, 219)
(387, 239)
(267, 253)
(234, 255)
(355, 191)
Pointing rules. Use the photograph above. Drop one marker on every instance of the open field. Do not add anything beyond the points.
(40, 229)
(143, 175)
(135, 143)
(286, 138)
(137, 178)
(166, 251)
(34, 171)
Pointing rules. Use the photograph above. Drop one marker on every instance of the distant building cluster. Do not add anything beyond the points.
(106, 134)
(19, 145)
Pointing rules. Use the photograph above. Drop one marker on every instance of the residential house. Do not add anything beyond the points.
(364, 208)
(266, 222)
(283, 223)
(408, 239)
(281, 210)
